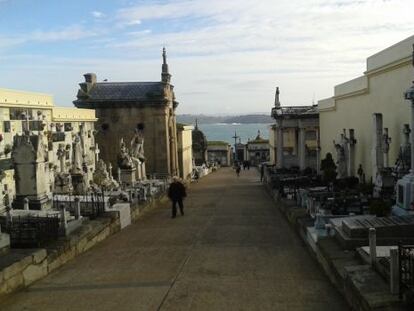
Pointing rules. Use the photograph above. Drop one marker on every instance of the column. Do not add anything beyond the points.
(279, 142)
(377, 155)
(351, 163)
(318, 151)
(302, 147)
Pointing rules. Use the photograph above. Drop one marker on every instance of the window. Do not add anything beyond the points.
(21, 114)
(68, 127)
(7, 126)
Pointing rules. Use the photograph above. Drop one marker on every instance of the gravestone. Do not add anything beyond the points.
(30, 171)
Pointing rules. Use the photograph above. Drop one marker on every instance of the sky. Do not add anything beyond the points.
(225, 56)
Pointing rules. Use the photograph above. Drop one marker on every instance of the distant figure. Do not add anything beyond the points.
(177, 193)
(261, 172)
(196, 176)
(238, 169)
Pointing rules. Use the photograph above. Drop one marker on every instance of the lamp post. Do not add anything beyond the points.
(235, 144)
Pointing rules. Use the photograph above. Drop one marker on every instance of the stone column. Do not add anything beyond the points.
(386, 140)
(377, 155)
(318, 152)
(279, 142)
(302, 147)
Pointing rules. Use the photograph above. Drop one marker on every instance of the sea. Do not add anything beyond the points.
(225, 131)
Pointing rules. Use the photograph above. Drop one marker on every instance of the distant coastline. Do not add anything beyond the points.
(235, 120)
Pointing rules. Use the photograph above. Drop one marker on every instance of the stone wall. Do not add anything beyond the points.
(114, 124)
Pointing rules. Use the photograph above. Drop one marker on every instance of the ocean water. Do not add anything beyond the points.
(225, 131)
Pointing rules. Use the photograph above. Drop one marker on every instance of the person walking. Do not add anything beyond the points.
(177, 193)
(261, 172)
(238, 169)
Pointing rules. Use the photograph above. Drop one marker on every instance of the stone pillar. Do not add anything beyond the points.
(302, 148)
(279, 142)
(372, 245)
(318, 151)
(394, 272)
(386, 140)
(351, 157)
(77, 208)
(63, 219)
(377, 155)
(26, 204)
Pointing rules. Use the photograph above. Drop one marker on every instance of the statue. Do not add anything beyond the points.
(124, 159)
(340, 157)
(137, 146)
(137, 154)
(77, 155)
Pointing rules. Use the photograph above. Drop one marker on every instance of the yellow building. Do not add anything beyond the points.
(380, 90)
(36, 112)
(185, 150)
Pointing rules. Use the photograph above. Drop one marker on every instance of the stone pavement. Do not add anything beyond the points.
(233, 250)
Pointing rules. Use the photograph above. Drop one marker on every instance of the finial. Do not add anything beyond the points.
(196, 124)
(277, 101)
(164, 55)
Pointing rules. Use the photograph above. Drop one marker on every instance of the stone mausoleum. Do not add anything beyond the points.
(294, 138)
(122, 108)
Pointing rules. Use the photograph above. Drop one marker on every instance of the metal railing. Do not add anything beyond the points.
(31, 231)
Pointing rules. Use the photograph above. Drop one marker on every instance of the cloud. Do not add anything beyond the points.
(98, 14)
(70, 33)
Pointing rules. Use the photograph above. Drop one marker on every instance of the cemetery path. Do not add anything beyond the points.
(233, 250)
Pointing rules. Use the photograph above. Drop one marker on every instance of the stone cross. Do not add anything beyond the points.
(61, 153)
(386, 141)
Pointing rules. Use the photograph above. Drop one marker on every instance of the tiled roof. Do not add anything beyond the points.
(107, 91)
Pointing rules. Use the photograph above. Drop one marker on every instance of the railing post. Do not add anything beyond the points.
(26, 204)
(63, 220)
(372, 245)
(394, 271)
(77, 208)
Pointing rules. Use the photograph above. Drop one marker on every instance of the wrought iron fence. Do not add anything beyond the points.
(31, 231)
(92, 204)
(406, 268)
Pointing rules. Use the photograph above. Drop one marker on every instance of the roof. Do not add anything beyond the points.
(217, 142)
(295, 111)
(125, 91)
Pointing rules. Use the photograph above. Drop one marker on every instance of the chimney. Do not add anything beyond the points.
(85, 87)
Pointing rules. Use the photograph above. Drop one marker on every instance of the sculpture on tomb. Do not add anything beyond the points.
(63, 180)
(403, 163)
(124, 159)
(102, 177)
(361, 174)
(328, 169)
(340, 160)
(137, 154)
(77, 155)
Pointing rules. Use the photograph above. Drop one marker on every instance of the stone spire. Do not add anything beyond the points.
(165, 75)
(196, 124)
(277, 101)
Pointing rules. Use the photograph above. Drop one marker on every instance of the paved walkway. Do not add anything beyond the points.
(233, 250)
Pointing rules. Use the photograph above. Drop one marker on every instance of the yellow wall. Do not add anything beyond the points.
(380, 90)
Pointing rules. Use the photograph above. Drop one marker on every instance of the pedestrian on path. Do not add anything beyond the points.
(238, 169)
(261, 172)
(177, 193)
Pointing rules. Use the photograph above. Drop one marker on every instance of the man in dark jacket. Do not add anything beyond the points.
(177, 193)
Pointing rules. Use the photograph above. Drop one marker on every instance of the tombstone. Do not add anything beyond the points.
(30, 172)
(63, 180)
